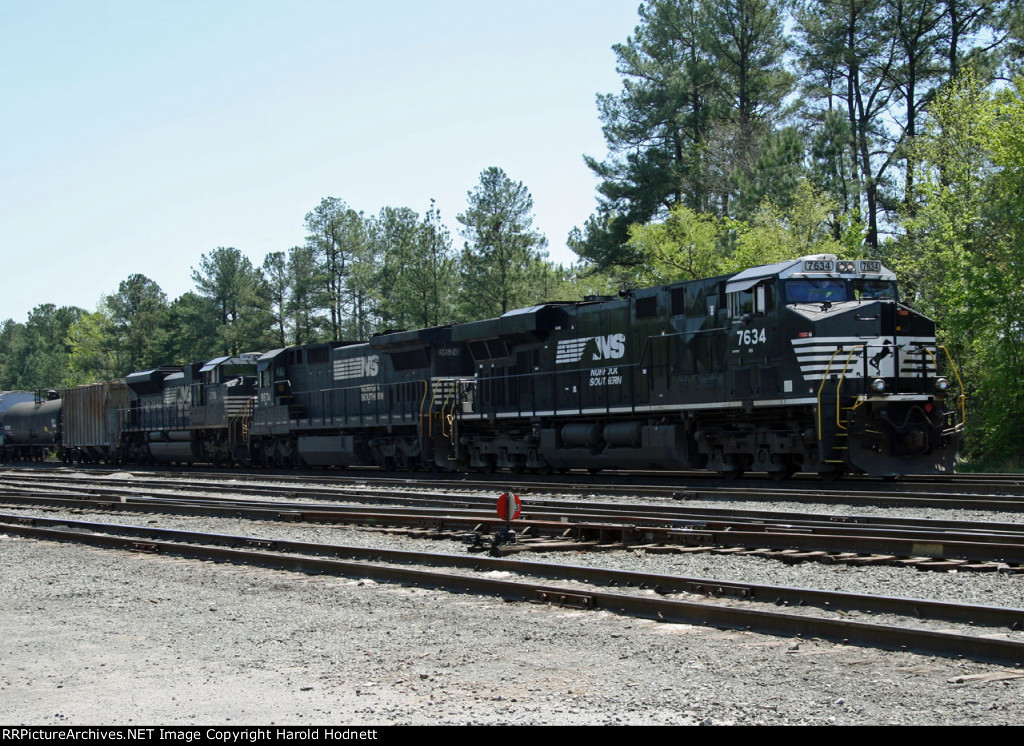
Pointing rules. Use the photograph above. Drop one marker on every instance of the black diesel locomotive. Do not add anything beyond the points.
(807, 365)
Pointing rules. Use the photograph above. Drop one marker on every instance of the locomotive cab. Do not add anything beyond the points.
(873, 367)
(294, 391)
(805, 365)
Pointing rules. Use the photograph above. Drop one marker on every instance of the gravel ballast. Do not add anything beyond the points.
(94, 636)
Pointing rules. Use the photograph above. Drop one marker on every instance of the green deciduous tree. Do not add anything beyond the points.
(962, 255)
(92, 355)
(690, 245)
(687, 245)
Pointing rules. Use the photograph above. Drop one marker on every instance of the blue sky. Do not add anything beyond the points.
(137, 136)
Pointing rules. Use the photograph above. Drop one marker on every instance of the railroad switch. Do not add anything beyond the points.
(498, 538)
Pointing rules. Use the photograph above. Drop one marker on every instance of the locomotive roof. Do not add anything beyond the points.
(816, 265)
(520, 322)
(412, 339)
(145, 382)
(250, 359)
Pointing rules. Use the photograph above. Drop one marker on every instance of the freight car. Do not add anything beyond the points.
(91, 429)
(30, 430)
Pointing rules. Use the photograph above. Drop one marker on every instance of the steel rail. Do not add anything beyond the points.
(851, 491)
(921, 530)
(843, 538)
(588, 511)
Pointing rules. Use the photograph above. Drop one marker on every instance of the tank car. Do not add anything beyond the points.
(30, 430)
(806, 365)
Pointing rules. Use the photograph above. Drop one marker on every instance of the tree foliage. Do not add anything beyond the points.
(236, 291)
(708, 115)
(137, 314)
(499, 263)
(690, 245)
(703, 87)
(35, 355)
(963, 251)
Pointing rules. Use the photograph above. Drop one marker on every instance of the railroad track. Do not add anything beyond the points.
(992, 492)
(554, 525)
(994, 635)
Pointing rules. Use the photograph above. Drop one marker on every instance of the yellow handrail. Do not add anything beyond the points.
(423, 404)
(961, 400)
(839, 384)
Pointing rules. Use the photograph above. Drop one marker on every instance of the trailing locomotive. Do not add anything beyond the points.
(807, 365)
(385, 402)
(192, 413)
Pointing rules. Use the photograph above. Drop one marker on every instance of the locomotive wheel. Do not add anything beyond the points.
(731, 474)
(781, 475)
(832, 475)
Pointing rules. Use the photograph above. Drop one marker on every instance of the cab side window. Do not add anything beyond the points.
(756, 300)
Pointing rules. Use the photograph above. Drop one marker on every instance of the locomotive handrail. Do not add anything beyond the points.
(423, 401)
(839, 384)
(450, 396)
(961, 401)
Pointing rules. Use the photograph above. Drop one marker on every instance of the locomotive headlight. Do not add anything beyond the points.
(941, 385)
(878, 385)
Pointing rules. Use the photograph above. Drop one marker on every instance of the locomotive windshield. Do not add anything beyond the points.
(815, 291)
(807, 290)
(874, 289)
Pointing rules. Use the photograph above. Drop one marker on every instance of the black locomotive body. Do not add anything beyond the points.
(807, 365)
(375, 403)
(193, 413)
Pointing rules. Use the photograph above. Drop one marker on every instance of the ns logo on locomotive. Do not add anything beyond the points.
(809, 365)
